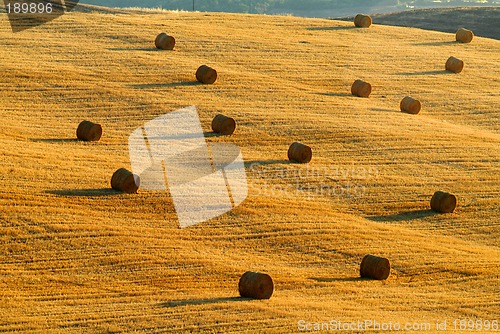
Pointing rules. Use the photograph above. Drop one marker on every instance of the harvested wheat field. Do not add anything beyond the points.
(77, 256)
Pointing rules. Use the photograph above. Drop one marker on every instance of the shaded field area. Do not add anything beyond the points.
(76, 256)
(483, 21)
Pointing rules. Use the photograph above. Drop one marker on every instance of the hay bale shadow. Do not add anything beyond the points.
(436, 43)
(332, 28)
(253, 163)
(84, 192)
(175, 303)
(425, 73)
(54, 140)
(164, 85)
(339, 279)
(135, 49)
(208, 134)
(384, 110)
(409, 215)
(335, 94)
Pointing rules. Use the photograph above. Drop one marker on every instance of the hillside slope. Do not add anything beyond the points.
(482, 20)
(76, 256)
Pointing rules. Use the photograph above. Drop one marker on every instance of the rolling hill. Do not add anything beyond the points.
(481, 20)
(76, 256)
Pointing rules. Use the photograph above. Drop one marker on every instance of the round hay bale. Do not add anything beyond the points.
(299, 152)
(410, 105)
(89, 131)
(464, 35)
(223, 124)
(454, 65)
(256, 285)
(375, 267)
(206, 74)
(158, 39)
(164, 42)
(361, 88)
(124, 180)
(443, 202)
(362, 21)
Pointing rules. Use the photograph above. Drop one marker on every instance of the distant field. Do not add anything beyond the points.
(77, 257)
(482, 20)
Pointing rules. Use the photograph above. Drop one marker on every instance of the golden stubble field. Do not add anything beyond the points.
(76, 256)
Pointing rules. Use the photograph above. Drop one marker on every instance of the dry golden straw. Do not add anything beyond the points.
(375, 267)
(164, 42)
(362, 21)
(464, 35)
(124, 180)
(361, 88)
(454, 65)
(223, 124)
(299, 152)
(206, 74)
(443, 202)
(89, 131)
(256, 285)
(410, 105)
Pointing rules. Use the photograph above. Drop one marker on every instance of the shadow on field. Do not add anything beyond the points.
(167, 84)
(175, 303)
(84, 192)
(384, 110)
(435, 43)
(332, 28)
(335, 94)
(425, 73)
(416, 214)
(208, 134)
(253, 163)
(135, 49)
(54, 140)
(339, 279)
